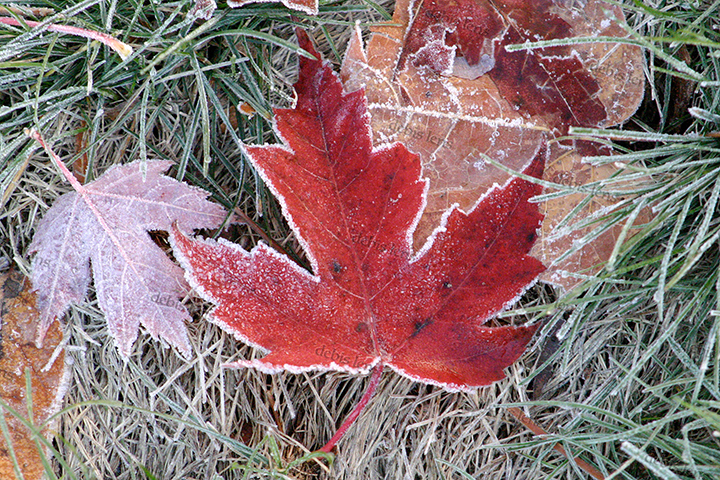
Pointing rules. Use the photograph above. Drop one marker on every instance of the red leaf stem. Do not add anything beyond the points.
(372, 386)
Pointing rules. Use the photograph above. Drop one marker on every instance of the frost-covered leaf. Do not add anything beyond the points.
(441, 81)
(203, 9)
(370, 300)
(307, 6)
(104, 226)
(49, 377)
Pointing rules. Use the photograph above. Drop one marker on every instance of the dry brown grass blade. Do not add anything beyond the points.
(537, 430)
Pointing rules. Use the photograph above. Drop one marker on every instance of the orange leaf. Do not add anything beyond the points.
(48, 373)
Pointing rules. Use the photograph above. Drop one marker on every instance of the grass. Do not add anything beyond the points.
(628, 364)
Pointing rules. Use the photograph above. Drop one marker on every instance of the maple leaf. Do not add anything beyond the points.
(440, 80)
(369, 301)
(104, 225)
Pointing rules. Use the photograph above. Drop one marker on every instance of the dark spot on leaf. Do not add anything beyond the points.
(336, 267)
(420, 325)
(531, 237)
(361, 327)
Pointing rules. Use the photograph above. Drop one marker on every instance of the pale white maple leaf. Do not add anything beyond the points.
(104, 226)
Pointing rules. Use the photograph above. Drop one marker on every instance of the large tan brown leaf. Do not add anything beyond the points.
(440, 80)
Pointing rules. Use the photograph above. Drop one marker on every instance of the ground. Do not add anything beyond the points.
(623, 373)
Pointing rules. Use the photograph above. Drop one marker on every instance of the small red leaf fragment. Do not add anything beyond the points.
(307, 6)
(369, 300)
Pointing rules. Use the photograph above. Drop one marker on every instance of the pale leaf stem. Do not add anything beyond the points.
(37, 136)
(123, 49)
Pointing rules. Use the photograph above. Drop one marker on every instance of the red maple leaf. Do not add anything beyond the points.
(369, 300)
